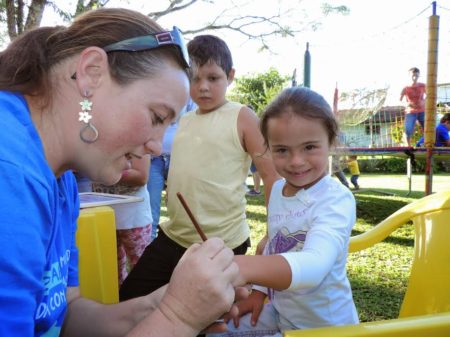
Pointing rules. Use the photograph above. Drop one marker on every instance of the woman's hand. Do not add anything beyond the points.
(202, 286)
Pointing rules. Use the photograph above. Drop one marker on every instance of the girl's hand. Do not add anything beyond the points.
(261, 245)
(220, 325)
(254, 304)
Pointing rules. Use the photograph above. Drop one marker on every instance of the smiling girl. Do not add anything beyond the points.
(310, 217)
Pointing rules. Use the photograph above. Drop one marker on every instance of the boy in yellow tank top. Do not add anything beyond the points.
(211, 155)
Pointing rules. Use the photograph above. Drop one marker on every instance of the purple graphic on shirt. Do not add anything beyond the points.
(284, 242)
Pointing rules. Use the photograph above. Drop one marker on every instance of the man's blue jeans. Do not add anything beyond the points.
(159, 169)
(410, 122)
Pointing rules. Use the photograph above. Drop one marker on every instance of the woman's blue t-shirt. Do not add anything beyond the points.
(38, 214)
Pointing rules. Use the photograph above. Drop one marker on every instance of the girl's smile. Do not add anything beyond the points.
(299, 148)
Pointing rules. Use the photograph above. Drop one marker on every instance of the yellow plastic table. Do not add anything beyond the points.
(96, 241)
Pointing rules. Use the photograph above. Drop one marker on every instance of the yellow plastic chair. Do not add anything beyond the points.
(96, 241)
(425, 310)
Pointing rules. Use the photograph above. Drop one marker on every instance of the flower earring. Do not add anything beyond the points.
(88, 133)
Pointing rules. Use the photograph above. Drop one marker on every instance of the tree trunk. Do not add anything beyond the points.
(11, 19)
(35, 13)
(19, 17)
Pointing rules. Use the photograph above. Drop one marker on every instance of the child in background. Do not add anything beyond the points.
(415, 109)
(159, 170)
(310, 218)
(133, 220)
(211, 155)
(353, 166)
(256, 190)
(442, 132)
(336, 170)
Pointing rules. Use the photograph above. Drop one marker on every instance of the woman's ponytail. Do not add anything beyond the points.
(25, 64)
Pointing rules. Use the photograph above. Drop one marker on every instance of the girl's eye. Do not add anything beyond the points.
(212, 79)
(281, 151)
(310, 147)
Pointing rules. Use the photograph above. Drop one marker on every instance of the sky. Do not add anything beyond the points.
(372, 47)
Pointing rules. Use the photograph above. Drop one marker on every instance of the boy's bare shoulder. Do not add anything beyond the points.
(247, 119)
(248, 112)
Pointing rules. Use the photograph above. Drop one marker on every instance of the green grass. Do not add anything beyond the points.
(379, 274)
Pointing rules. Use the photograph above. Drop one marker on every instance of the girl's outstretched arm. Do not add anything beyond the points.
(272, 271)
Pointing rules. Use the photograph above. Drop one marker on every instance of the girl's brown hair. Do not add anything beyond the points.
(301, 102)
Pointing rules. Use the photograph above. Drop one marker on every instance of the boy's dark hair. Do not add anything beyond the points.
(414, 70)
(445, 118)
(302, 102)
(206, 48)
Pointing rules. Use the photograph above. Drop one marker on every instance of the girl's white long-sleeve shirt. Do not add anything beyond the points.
(311, 230)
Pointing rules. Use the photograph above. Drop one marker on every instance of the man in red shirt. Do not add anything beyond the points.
(415, 109)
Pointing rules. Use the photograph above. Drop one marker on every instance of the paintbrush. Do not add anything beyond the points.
(191, 216)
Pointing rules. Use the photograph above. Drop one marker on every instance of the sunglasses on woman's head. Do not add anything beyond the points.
(153, 41)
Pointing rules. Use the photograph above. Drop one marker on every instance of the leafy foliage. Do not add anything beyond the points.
(258, 90)
(328, 9)
(396, 165)
(397, 133)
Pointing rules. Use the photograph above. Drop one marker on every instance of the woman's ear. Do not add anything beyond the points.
(92, 69)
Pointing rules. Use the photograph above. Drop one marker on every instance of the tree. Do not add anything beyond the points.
(21, 15)
(259, 89)
(12, 12)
